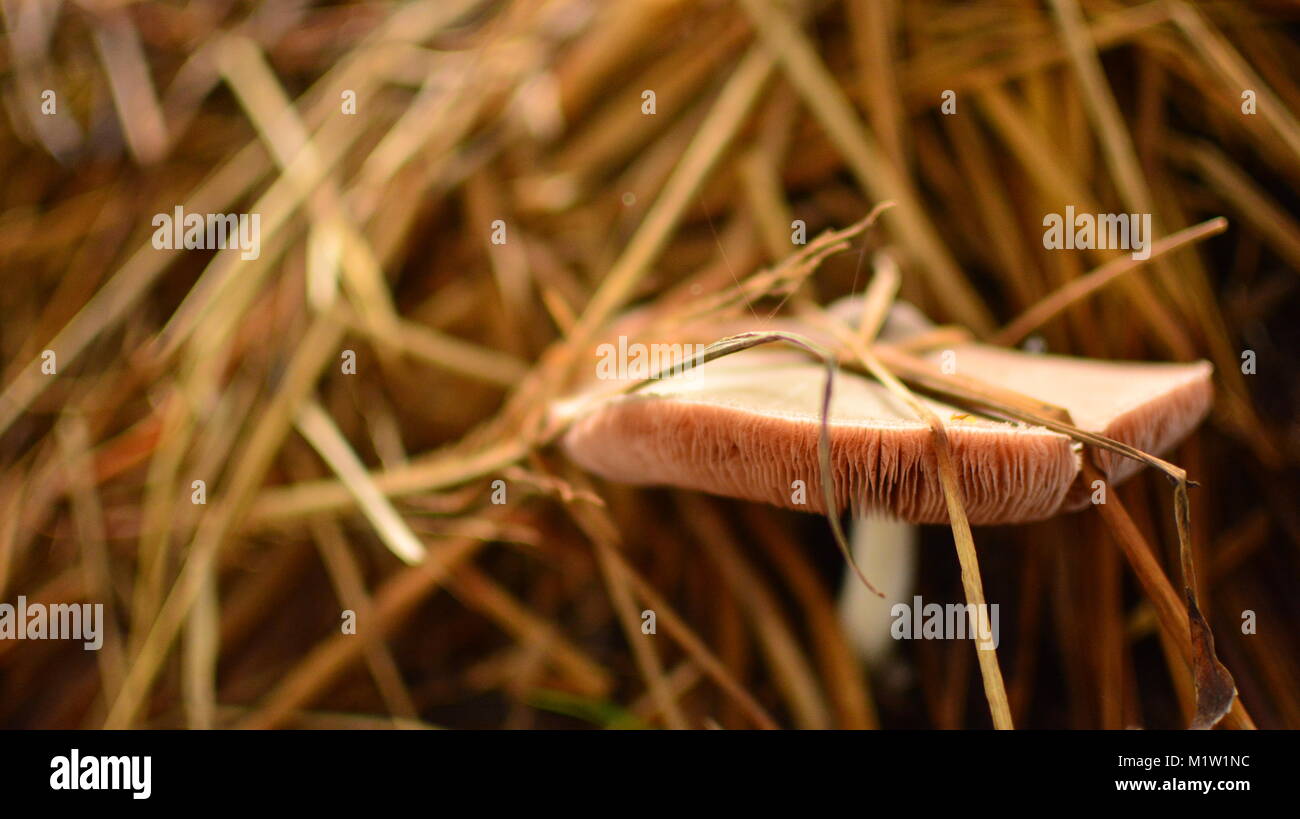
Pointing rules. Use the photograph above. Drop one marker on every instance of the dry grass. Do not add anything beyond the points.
(373, 491)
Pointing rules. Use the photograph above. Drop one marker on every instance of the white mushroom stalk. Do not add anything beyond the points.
(885, 549)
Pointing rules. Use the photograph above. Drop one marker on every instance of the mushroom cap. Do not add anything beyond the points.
(747, 426)
(1149, 406)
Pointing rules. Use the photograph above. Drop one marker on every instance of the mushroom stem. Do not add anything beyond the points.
(886, 550)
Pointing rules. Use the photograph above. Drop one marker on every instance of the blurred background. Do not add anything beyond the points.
(453, 197)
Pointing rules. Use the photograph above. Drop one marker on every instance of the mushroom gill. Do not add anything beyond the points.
(747, 426)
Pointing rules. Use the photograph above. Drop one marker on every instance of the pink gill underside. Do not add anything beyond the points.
(747, 427)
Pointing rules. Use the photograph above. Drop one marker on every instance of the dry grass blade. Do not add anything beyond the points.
(447, 352)
(1171, 611)
(133, 91)
(793, 673)
(599, 529)
(439, 470)
(272, 113)
(230, 182)
(1215, 689)
(320, 431)
(350, 589)
(89, 519)
(1233, 68)
(782, 279)
(874, 171)
(328, 660)
(258, 452)
(1082, 287)
(848, 685)
(994, 688)
(715, 133)
(647, 658)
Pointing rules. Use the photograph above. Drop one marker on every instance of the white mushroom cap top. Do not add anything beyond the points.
(747, 426)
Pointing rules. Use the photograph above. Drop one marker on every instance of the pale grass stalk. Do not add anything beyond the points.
(1056, 183)
(324, 436)
(717, 131)
(1084, 286)
(269, 109)
(259, 449)
(1236, 72)
(438, 470)
(88, 520)
(199, 651)
(994, 688)
(232, 180)
(783, 35)
(443, 351)
(127, 69)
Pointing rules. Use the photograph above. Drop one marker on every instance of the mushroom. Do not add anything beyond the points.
(747, 427)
